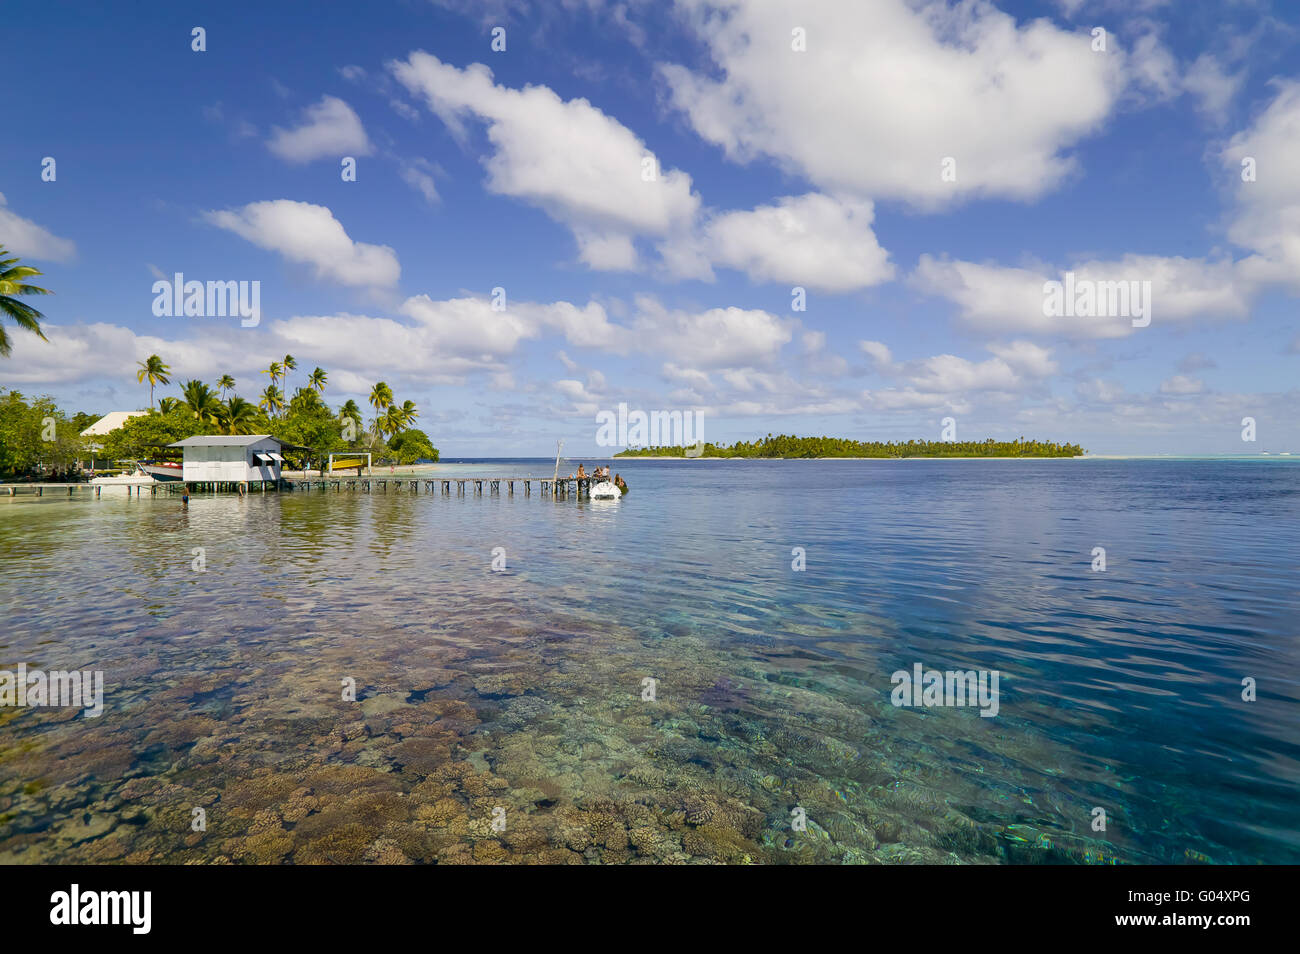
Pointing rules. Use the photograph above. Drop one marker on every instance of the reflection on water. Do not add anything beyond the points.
(522, 690)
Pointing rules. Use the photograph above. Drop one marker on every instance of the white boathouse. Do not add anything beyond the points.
(230, 459)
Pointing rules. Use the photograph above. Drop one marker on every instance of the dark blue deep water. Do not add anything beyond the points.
(525, 688)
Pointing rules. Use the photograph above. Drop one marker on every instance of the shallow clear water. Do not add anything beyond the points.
(522, 690)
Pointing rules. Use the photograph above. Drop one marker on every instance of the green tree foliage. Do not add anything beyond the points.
(83, 420)
(276, 371)
(238, 416)
(787, 445)
(271, 400)
(148, 435)
(392, 422)
(350, 413)
(309, 423)
(13, 283)
(201, 401)
(305, 420)
(411, 445)
(381, 397)
(37, 440)
(153, 370)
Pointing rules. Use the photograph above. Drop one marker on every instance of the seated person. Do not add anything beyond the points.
(582, 474)
(620, 483)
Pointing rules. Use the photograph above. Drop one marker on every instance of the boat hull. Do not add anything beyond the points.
(135, 480)
(605, 490)
(163, 471)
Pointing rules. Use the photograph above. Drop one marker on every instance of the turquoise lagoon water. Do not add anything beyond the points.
(518, 696)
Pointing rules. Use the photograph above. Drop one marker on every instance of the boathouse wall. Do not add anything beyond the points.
(211, 462)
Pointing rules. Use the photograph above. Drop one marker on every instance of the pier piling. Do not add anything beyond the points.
(559, 489)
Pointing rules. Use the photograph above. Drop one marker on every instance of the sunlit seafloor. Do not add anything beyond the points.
(522, 690)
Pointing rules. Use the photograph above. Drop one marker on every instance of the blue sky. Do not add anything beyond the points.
(776, 167)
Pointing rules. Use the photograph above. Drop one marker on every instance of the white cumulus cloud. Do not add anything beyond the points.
(715, 338)
(886, 90)
(1000, 299)
(310, 235)
(329, 129)
(813, 240)
(1267, 217)
(25, 238)
(583, 167)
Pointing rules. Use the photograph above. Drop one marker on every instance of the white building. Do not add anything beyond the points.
(110, 422)
(105, 425)
(227, 459)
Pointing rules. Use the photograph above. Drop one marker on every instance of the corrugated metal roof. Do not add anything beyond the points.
(223, 440)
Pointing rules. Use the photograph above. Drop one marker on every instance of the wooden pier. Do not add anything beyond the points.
(465, 486)
(559, 488)
(132, 490)
(12, 490)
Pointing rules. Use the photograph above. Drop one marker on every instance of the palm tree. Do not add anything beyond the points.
(200, 400)
(317, 380)
(155, 371)
(276, 371)
(409, 413)
(272, 400)
(350, 412)
(11, 284)
(289, 365)
(236, 416)
(381, 397)
(305, 399)
(168, 404)
(393, 421)
(226, 383)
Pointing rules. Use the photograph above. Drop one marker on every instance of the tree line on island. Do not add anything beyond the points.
(790, 446)
(38, 438)
(303, 419)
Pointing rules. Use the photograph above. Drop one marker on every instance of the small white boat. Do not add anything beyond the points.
(162, 469)
(137, 479)
(605, 490)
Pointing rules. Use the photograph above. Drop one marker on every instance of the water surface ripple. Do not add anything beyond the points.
(522, 690)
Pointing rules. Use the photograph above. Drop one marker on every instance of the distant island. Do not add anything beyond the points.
(790, 446)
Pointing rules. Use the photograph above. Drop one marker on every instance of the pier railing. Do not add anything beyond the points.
(473, 486)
